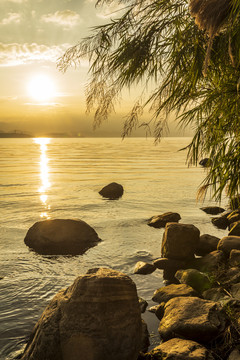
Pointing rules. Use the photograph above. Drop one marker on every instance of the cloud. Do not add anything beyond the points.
(19, 54)
(66, 18)
(11, 18)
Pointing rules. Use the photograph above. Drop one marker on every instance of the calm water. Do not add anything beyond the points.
(60, 178)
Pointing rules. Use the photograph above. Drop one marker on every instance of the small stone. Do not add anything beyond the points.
(220, 222)
(168, 292)
(144, 268)
(160, 221)
(143, 304)
(213, 210)
(112, 191)
(197, 280)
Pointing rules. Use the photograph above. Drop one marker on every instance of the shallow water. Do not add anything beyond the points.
(60, 178)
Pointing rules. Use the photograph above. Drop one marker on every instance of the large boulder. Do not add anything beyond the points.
(180, 349)
(207, 243)
(112, 191)
(168, 292)
(191, 318)
(96, 318)
(61, 237)
(180, 241)
(159, 221)
(228, 243)
(212, 210)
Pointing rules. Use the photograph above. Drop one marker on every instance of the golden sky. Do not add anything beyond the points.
(34, 95)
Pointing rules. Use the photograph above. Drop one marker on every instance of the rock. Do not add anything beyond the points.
(180, 349)
(220, 222)
(210, 262)
(234, 216)
(143, 304)
(234, 257)
(145, 337)
(191, 318)
(195, 279)
(180, 241)
(234, 229)
(144, 268)
(169, 264)
(160, 221)
(159, 310)
(96, 318)
(228, 243)
(207, 243)
(112, 191)
(215, 294)
(212, 210)
(61, 237)
(235, 355)
(230, 277)
(168, 292)
(206, 162)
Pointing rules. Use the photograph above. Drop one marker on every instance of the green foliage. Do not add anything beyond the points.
(157, 44)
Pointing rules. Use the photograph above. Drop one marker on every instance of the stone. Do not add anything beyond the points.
(207, 243)
(159, 221)
(212, 210)
(61, 237)
(97, 318)
(206, 162)
(143, 304)
(195, 279)
(112, 191)
(228, 243)
(180, 349)
(220, 222)
(210, 262)
(180, 241)
(165, 293)
(234, 229)
(234, 258)
(144, 268)
(234, 216)
(235, 355)
(215, 294)
(191, 318)
(169, 264)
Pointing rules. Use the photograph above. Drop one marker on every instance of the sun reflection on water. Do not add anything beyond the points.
(44, 175)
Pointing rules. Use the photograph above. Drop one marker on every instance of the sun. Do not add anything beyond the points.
(41, 88)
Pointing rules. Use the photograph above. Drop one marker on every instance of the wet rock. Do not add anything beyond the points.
(145, 338)
(234, 216)
(144, 268)
(97, 317)
(206, 162)
(180, 241)
(191, 318)
(207, 243)
(220, 222)
(180, 349)
(234, 229)
(143, 304)
(61, 237)
(160, 221)
(195, 279)
(215, 294)
(212, 210)
(210, 262)
(169, 264)
(158, 310)
(228, 243)
(234, 258)
(112, 191)
(168, 292)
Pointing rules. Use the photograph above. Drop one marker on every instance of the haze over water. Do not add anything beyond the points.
(60, 178)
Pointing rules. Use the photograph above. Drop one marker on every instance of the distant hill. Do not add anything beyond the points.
(15, 134)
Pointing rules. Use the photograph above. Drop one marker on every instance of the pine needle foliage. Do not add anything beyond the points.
(158, 44)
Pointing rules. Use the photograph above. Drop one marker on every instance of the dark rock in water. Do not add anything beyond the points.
(98, 317)
(169, 265)
(191, 318)
(168, 292)
(234, 258)
(234, 229)
(158, 310)
(143, 304)
(112, 191)
(228, 243)
(160, 221)
(180, 241)
(195, 279)
(212, 210)
(144, 268)
(206, 162)
(234, 216)
(220, 222)
(179, 349)
(207, 243)
(61, 237)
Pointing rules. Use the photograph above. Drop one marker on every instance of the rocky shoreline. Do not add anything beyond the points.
(99, 316)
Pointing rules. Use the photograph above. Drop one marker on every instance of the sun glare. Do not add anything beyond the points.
(41, 88)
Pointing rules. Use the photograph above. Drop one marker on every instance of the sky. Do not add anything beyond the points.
(34, 95)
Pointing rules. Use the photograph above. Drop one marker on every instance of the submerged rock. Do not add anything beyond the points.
(180, 241)
(112, 191)
(96, 318)
(168, 292)
(61, 237)
(160, 221)
(212, 210)
(191, 318)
